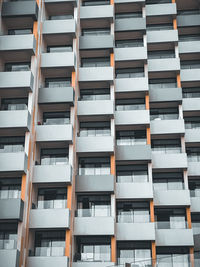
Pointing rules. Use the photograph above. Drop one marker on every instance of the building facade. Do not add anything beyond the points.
(100, 133)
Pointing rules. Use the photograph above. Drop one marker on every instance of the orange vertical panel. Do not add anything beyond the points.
(35, 29)
(147, 101)
(188, 214)
(112, 61)
(73, 79)
(179, 81)
(152, 211)
(153, 253)
(148, 136)
(38, 2)
(67, 243)
(112, 165)
(23, 187)
(175, 24)
(112, 2)
(173, 1)
(192, 257)
(69, 197)
(113, 249)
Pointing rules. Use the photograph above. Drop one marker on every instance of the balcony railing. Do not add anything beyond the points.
(178, 223)
(8, 243)
(97, 211)
(52, 204)
(56, 251)
(129, 217)
(94, 171)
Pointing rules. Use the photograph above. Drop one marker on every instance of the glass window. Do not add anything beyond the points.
(57, 82)
(160, 27)
(52, 198)
(61, 17)
(10, 188)
(63, 48)
(94, 166)
(164, 114)
(56, 118)
(98, 31)
(166, 146)
(95, 62)
(130, 104)
(161, 54)
(128, 15)
(192, 122)
(56, 156)
(95, 94)
(132, 174)
(190, 64)
(129, 43)
(8, 236)
(12, 144)
(137, 137)
(17, 66)
(94, 129)
(19, 31)
(96, 3)
(191, 92)
(14, 104)
(129, 73)
(162, 83)
(193, 154)
(137, 256)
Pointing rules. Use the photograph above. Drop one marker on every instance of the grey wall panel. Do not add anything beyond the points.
(49, 218)
(22, 79)
(161, 10)
(97, 12)
(190, 75)
(130, 53)
(98, 107)
(132, 117)
(162, 127)
(135, 231)
(15, 119)
(189, 47)
(188, 20)
(61, 59)
(194, 168)
(50, 133)
(59, 27)
(11, 209)
(18, 42)
(9, 257)
(48, 261)
(133, 191)
(162, 36)
(191, 104)
(52, 174)
(130, 24)
(164, 64)
(128, 85)
(13, 162)
(174, 237)
(172, 198)
(192, 135)
(99, 42)
(92, 264)
(95, 183)
(197, 247)
(85, 226)
(95, 144)
(20, 8)
(169, 161)
(96, 74)
(133, 153)
(56, 95)
(165, 94)
(195, 204)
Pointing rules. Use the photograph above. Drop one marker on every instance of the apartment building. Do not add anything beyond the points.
(100, 133)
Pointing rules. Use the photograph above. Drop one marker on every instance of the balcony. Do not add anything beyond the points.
(11, 209)
(93, 226)
(161, 10)
(193, 169)
(165, 127)
(133, 153)
(188, 20)
(192, 136)
(47, 261)
(96, 108)
(97, 144)
(96, 74)
(130, 24)
(172, 198)
(105, 12)
(174, 237)
(136, 85)
(95, 183)
(45, 174)
(130, 54)
(135, 231)
(22, 80)
(99, 42)
(195, 207)
(166, 64)
(54, 133)
(9, 257)
(165, 95)
(169, 161)
(190, 75)
(191, 104)
(167, 36)
(20, 9)
(133, 190)
(13, 162)
(132, 117)
(56, 95)
(189, 47)
(49, 218)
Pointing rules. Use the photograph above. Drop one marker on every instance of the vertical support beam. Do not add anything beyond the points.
(67, 243)
(112, 165)
(148, 136)
(23, 187)
(178, 80)
(175, 24)
(192, 263)
(152, 217)
(153, 253)
(188, 215)
(112, 2)
(112, 60)
(113, 249)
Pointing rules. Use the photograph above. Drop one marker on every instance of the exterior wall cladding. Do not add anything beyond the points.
(100, 133)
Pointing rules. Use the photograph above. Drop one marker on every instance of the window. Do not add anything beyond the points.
(17, 66)
(194, 186)
(168, 181)
(192, 122)
(10, 188)
(132, 174)
(164, 114)
(190, 64)
(137, 137)
(193, 153)
(49, 243)
(95, 94)
(61, 48)
(130, 104)
(8, 235)
(152, 2)
(52, 198)
(19, 31)
(95, 62)
(133, 212)
(191, 92)
(160, 27)
(93, 206)
(161, 54)
(128, 15)
(56, 118)
(129, 73)
(166, 146)
(129, 43)
(14, 104)
(61, 17)
(93, 249)
(54, 156)
(95, 3)
(57, 82)
(101, 128)
(195, 223)
(12, 144)
(162, 83)
(104, 31)
(189, 37)
(94, 166)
